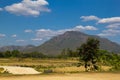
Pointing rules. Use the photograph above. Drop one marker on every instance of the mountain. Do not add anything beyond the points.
(72, 40)
(12, 47)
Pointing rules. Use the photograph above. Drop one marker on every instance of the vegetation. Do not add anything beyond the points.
(88, 53)
(109, 59)
(68, 53)
(91, 59)
(17, 54)
(1, 70)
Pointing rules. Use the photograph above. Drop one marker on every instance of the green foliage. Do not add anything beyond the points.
(1, 54)
(37, 55)
(68, 53)
(17, 54)
(7, 54)
(109, 59)
(88, 52)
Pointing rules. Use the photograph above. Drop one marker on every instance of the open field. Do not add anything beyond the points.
(31, 62)
(80, 76)
(63, 69)
(56, 65)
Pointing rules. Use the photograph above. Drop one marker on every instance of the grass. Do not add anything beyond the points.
(72, 69)
(1, 70)
(30, 62)
(56, 65)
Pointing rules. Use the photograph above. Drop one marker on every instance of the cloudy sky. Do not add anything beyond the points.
(24, 22)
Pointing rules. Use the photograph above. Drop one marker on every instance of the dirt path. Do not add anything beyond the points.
(81, 76)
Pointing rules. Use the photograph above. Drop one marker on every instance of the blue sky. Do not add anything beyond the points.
(24, 22)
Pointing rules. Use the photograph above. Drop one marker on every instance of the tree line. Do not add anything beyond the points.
(18, 54)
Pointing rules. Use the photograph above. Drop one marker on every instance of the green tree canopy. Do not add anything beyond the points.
(88, 52)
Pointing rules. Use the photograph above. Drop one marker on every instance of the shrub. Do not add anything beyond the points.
(1, 70)
(48, 71)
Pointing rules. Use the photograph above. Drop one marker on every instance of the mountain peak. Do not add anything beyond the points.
(74, 33)
(72, 40)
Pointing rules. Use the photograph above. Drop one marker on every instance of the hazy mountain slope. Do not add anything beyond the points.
(20, 48)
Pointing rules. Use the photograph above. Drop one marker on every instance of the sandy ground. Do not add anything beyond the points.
(80, 76)
(19, 70)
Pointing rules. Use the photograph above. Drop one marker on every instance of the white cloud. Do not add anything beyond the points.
(114, 26)
(28, 31)
(1, 9)
(109, 32)
(80, 27)
(20, 40)
(105, 34)
(112, 30)
(14, 36)
(101, 20)
(2, 35)
(89, 18)
(43, 33)
(109, 20)
(36, 39)
(28, 7)
(47, 33)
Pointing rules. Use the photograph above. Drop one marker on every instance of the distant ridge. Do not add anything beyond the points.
(72, 40)
(13, 47)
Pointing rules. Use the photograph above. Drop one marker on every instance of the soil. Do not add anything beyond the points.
(77, 76)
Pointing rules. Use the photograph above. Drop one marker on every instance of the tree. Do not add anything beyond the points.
(15, 53)
(88, 53)
(36, 55)
(69, 52)
(7, 54)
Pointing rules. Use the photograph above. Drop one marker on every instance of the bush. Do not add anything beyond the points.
(79, 64)
(1, 70)
(48, 71)
(116, 67)
(96, 67)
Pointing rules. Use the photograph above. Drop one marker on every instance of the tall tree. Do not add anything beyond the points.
(88, 53)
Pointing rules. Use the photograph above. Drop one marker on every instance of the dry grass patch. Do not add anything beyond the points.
(74, 69)
(1, 70)
(31, 62)
(69, 69)
(106, 68)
